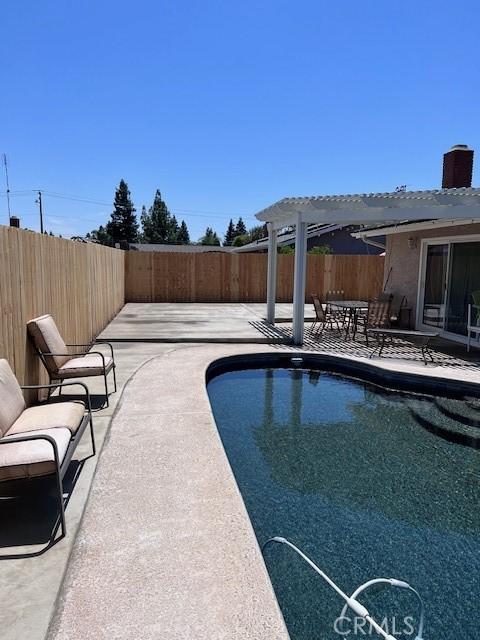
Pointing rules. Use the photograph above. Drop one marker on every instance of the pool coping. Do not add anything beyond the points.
(183, 374)
(364, 370)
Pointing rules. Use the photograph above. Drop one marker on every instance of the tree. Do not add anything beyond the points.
(101, 236)
(240, 229)
(287, 249)
(210, 238)
(173, 230)
(240, 241)
(156, 224)
(160, 226)
(230, 235)
(322, 250)
(123, 224)
(258, 232)
(183, 237)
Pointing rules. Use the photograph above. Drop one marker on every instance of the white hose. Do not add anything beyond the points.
(393, 582)
(356, 607)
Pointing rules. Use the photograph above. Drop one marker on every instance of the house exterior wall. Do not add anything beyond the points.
(402, 263)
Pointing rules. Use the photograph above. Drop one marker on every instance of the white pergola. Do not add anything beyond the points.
(360, 209)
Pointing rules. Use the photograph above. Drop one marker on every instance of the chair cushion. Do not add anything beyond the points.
(11, 399)
(33, 458)
(67, 415)
(88, 365)
(47, 339)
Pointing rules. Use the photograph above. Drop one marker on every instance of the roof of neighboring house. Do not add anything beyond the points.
(180, 248)
(375, 208)
(313, 231)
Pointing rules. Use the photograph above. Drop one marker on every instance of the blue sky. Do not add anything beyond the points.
(230, 106)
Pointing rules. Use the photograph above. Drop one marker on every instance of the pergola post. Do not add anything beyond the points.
(271, 273)
(299, 279)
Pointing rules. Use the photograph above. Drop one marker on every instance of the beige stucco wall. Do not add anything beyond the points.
(402, 263)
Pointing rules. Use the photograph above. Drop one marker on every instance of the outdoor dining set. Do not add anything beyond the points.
(379, 318)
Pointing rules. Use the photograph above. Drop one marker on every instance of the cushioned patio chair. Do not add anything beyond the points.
(40, 440)
(60, 363)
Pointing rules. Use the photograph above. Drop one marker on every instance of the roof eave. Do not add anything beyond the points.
(413, 226)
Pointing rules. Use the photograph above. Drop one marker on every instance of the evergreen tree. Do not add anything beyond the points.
(173, 231)
(144, 221)
(258, 232)
(159, 226)
(183, 236)
(123, 223)
(210, 238)
(240, 229)
(101, 236)
(230, 235)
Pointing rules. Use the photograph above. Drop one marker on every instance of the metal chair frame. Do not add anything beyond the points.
(377, 317)
(323, 317)
(60, 467)
(105, 373)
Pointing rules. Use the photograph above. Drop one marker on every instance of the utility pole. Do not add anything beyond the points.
(8, 186)
(39, 201)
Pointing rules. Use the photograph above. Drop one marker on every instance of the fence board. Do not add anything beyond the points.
(241, 277)
(81, 285)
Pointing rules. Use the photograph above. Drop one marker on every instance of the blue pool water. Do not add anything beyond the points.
(368, 482)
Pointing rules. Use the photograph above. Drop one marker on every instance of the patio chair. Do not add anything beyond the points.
(377, 317)
(60, 363)
(397, 303)
(322, 316)
(40, 440)
(340, 314)
(473, 319)
(384, 297)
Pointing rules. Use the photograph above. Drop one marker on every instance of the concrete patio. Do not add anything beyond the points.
(197, 322)
(91, 584)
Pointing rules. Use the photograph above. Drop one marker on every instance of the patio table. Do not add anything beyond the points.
(352, 307)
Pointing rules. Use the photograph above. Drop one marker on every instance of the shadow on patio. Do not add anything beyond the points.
(445, 352)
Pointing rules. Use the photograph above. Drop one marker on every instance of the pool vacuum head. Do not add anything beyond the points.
(351, 601)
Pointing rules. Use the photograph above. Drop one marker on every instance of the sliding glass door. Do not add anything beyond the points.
(464, 284)
(433, 313)
(450, 282)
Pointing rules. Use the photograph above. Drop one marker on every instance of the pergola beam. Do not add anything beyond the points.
(344, 210)
(378, 215)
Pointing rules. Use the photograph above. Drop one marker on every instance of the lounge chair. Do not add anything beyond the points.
(39, 440)
(60, 363)
(377, 317)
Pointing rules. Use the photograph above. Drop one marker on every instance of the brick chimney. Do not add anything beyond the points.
(457, 167)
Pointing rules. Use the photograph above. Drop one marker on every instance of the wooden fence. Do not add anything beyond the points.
(84, 285)
(241, 277)
(81, 285)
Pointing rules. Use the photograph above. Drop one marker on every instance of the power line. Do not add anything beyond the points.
(186, 212)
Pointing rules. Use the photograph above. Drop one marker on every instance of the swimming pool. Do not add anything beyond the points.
(368, 482)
